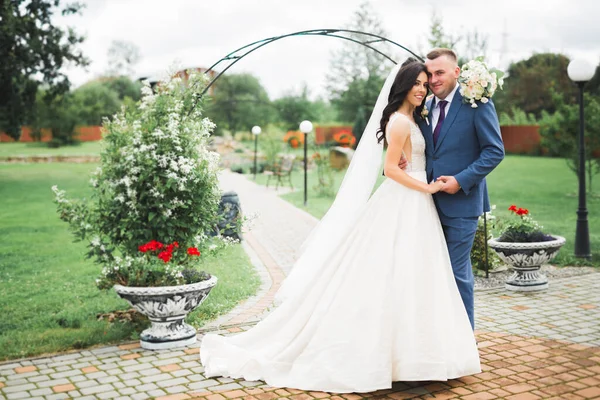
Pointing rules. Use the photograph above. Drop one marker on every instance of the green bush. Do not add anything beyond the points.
(478, 252)
(516, 116)
(156, 185)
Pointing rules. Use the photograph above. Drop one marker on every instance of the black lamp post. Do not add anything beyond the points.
(580, 72)
(255, 131)
(305, 127)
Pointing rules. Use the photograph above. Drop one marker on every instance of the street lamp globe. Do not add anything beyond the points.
(256, 130)
(306, 126)
(580, 70)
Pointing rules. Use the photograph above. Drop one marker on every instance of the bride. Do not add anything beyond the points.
(372, 299)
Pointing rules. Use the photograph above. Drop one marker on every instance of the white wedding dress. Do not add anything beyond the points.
(383, 308)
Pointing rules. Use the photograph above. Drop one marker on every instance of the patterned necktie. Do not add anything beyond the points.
(438, 127)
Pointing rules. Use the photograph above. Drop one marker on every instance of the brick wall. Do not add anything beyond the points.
(523, 139)
(83, 133)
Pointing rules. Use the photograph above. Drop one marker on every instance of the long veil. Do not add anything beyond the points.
(353, 195)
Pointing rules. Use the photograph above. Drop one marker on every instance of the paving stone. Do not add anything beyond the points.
(228, 386)
(66, 374)
(96, 375)
(108, 379)
(97, 389)
(157, 392)
(41, 392)
(148, 386)
(203, 384)
(19, 388)
(24, 375)
(86, 384)
(108, 395)
(58, 396)
(4, 367)
(18, 395)
(172, 382)
(155, 378)
(132, 382)
(127, 391)
(176, 389)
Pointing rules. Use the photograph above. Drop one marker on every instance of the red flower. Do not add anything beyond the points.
(522, 211)
(192, 251)
(165, 256)
(171, 246)
(152, 245)
(512, 208)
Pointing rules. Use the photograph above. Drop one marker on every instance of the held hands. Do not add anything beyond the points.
(450, 186)
(435, 187)
(403, 163)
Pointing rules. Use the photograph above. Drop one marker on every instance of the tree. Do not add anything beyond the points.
(438, 36)
(531, 82)
(476, 45)
(239, 103)
(593, 86)
(56, 113)
(124, 87)
(294, 108)
(361, 93)
(360, 123)
(560, 133)
(92, 102)
(33, 52)
(122, 57)
(356, 73)
(467, 45)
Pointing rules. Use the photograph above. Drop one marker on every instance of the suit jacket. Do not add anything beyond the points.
(469, 147)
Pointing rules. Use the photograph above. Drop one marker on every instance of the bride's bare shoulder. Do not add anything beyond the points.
(399, 124)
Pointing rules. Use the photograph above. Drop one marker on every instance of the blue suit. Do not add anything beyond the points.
(469, 147)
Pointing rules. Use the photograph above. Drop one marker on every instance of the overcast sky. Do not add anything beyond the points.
(199, 32)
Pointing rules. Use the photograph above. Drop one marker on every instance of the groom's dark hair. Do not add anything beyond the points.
(441, 51)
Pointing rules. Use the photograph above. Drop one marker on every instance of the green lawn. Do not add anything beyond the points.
(545, 186)
(48, 297)
(42, 149)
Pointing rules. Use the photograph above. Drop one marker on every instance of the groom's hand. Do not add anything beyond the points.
(403, 163)
(451, 185)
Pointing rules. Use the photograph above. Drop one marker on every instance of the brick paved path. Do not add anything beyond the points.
(536, 346)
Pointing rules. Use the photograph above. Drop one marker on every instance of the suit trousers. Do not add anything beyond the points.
(460, 233)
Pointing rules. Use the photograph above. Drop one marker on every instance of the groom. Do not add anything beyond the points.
(463, 146)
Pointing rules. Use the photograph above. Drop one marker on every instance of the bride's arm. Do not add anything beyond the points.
(397, 136)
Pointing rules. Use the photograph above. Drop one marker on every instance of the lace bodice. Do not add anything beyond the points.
(417, 140)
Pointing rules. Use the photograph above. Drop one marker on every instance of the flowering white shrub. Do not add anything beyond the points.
(157, 181)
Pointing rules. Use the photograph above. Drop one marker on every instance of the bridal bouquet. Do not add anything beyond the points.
(478, 82)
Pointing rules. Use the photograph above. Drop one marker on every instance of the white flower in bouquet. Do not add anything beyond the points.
(478, 82)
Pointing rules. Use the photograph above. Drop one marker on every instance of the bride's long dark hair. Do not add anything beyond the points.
(403, 83)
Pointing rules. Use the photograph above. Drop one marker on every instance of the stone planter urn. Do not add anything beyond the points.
(526, 259)
(166, 307)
